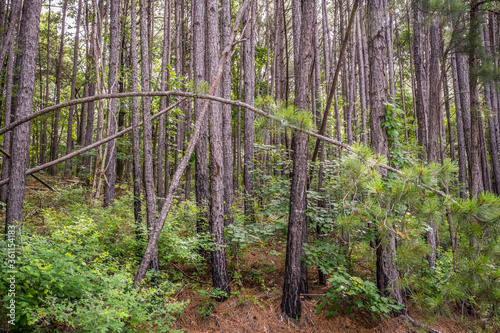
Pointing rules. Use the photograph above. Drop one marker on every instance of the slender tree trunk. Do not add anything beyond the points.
(220, 279)
(446, 92)
(464, 89)
(475, 112)
(390, 57)
(362, 80)
(179, 60)
(69, 135)
(10, 32)
(462, 158)
(147, 130)
(201, 165)
(278, 62)
(326, 42)
(92, 70)
(55, 125)
(7, 136)
(110, 161)
(226, 114)
(136, 149)
(434, 123)
(401, 82)
(491, 103)
(387, 272)
(421, 108)
(297, 229)
(249, 91)
(27, 41)
(160, 190)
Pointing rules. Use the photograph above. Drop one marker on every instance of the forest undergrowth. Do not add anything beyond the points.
(77, 260)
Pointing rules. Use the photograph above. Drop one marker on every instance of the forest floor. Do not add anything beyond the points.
(254, 305)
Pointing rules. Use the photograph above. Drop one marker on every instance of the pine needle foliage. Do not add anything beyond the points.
(357, 203)
(288, 115)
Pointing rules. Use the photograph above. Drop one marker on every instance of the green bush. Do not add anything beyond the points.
(78, 275)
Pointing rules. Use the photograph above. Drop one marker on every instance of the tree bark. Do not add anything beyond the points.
(226, 114)
(28, 46)
(464, 89)
(248, 92)
(475, 112)
(55, 125)
(8, 104)
(433, 150)
(297, 229)
(362, 80)
(421, 108)
(110, 160)
(179, 60)
(220, 279)
(201, 164)
(462, 157)
(69, 135)
(136, 149)
(387, 272)
(162, 138)
(491, 103)
(189, 150)
(147, 131)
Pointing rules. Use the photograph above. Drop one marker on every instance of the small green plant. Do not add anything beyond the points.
(208, 302)
(351, 293)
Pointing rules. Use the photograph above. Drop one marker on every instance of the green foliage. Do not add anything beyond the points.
(208, 302)
(288, 115)
(351, 293)
(78, 273)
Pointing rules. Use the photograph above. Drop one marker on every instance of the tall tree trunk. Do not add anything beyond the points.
(55, 125)
(421, 108)
(446, 93)
(387, 272)
(434, 123)
(462, 157)
(136, 149)
(201, 165)
(220, 279)
(27, 41)
(91, 69)
(179, 60)
(110, 161)
(249, 91)
(362, 80)
(226, 114)
(43, 137)
(464, 91)
(401, 81)
(491, 103)
(147, 130)
(278, 62)
(165, 61)
(69, 135)
(475, 112)
(7, 136)
(297, 229)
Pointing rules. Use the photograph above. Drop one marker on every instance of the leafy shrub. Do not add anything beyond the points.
(78, 275)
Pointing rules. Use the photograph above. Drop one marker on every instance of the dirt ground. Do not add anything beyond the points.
(256, 307)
